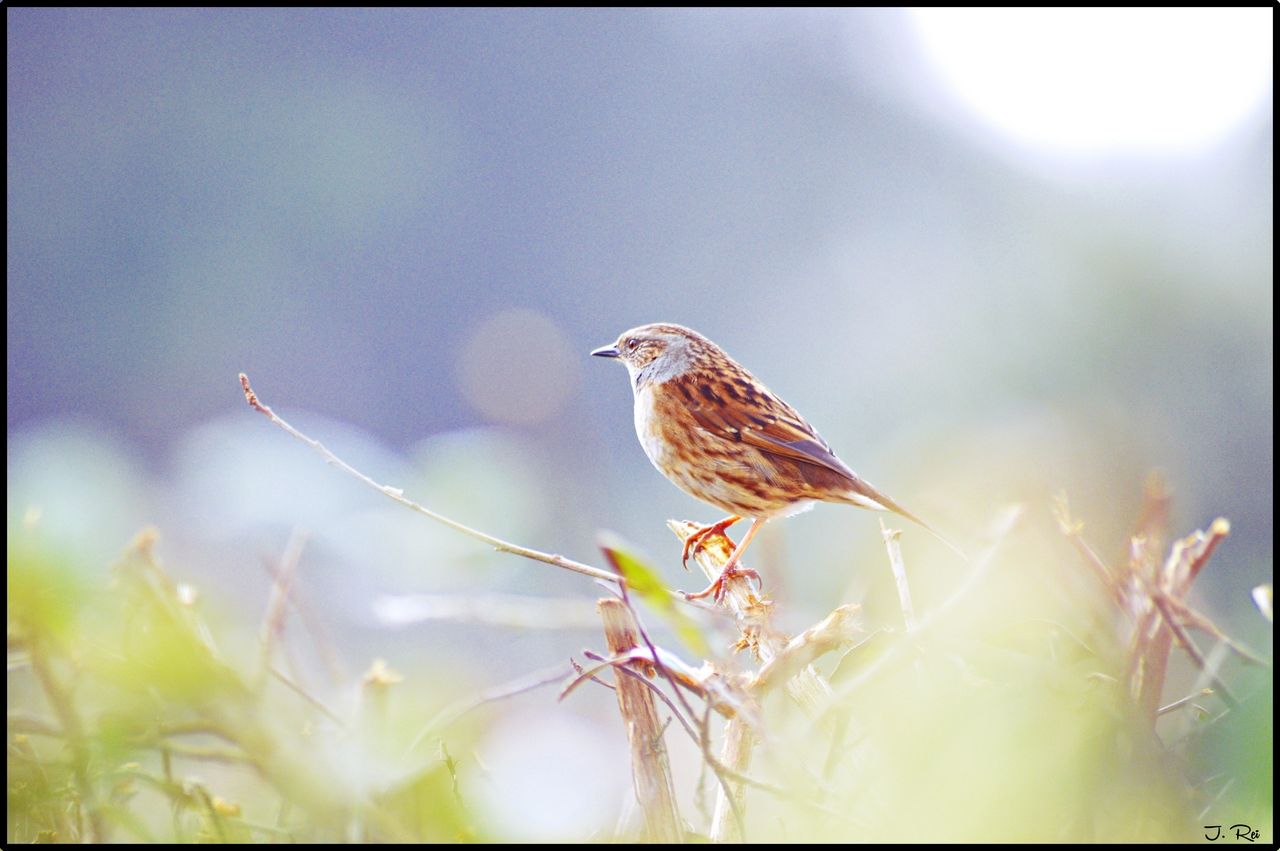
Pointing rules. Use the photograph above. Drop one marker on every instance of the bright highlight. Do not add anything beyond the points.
(1104, 80)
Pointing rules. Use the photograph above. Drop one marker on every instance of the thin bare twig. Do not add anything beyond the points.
(307, 696)
(397, 495)
(891, 544)
(981, 563)
(1178, 704)
(1215, 799)
(689, 676)
(207, 753)
(1074, 531)
(782, 662)
(578, 669)
(716, 766)
(739, 740)
(273, 619)
(1189, 646)
(450, 714)
(803, 645)
(1198, 620)
(661, 695)
(516, 611)
(752, 615)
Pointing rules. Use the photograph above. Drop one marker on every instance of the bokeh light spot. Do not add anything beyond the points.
(517, 368)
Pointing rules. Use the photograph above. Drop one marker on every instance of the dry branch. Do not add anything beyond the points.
(832, 632)
(650, 770)
(803, 684)
(752, 615)
(1153, 595)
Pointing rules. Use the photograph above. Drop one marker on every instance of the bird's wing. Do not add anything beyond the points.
(748, 413)
(739, 409)
(739, 414)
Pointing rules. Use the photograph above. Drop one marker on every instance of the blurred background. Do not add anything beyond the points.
(991, 256)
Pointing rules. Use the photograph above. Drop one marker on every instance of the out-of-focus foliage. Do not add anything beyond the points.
(126, 723)
(1006, 716)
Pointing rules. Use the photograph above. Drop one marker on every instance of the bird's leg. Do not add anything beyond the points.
(695, 540)
(731, 569)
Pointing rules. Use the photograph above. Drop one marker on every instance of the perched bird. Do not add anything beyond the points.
(721, 436)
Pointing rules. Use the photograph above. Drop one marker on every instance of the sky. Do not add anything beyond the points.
(989, 258)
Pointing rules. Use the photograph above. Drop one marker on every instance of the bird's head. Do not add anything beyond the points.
(657, 352)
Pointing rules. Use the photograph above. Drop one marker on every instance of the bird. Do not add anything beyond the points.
(720, 435)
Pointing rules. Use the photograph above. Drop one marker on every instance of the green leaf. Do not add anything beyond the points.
(642, 580)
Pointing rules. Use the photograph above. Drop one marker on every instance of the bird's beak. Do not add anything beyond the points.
(606, 352)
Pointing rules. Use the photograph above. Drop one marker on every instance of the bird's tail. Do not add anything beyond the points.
(865, 496)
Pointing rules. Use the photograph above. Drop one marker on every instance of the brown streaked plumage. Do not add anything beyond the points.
(720, 435)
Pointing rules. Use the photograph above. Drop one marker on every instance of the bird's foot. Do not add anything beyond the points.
(716, 590)
(697, 538)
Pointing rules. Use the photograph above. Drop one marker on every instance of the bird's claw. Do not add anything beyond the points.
(699, 536)
(716, 590)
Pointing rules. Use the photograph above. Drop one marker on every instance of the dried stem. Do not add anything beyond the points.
(712, 690)
(650, 770)
(832, 632)
(1159, 597)
(739, 741)
(676, 712)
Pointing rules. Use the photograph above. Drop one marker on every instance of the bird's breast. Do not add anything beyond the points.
(650, 428)
(730, 476)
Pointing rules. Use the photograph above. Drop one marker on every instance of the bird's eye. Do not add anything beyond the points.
(631, 344)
